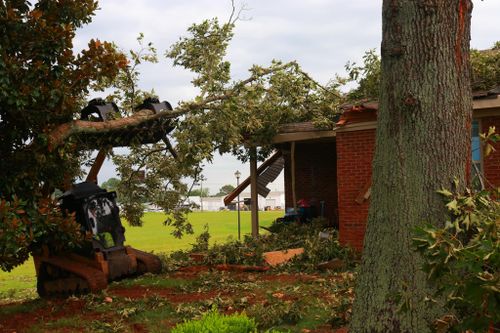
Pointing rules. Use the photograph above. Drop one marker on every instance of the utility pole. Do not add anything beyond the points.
(201, 194)
(254, 195)
(238, 175)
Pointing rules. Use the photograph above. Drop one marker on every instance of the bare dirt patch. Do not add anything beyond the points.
(237, 291)
(171, 294)
(51, 312)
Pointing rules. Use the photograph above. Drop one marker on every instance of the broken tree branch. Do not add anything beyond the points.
(66, 130)
(77, 127)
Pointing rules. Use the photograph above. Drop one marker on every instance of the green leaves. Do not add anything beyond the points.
(445, 192)
(202, 52)
(225, 117)
(485, 73)
(213, 322)
(42, 84)
(463, 259)
(489, 139)
(452, 206)
(366, 76)
(24, 229)
(485, 68)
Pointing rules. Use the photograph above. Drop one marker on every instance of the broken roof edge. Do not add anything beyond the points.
(365, 111)
(243, 185)
(373, 104)
(488, 93)
(308, 130)
(361, 114)
(362, 105)
(305, 126)
(303, 136)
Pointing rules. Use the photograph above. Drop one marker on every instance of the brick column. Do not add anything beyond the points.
(354, 168)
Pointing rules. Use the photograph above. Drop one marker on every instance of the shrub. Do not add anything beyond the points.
(202, 240)
(463, 259)
(214, 322)
(277, 312)
(25, 229)
(250, 250)
(316, 249)
(173, 261)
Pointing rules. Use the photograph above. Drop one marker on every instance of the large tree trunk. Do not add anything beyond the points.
(423, 139)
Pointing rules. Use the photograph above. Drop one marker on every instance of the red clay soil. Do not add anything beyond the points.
(18, 322)
(288, 278)
(169, 293)
(54, 310)
(241, 268)
(138, 328)
(243, 273)
(192, 269)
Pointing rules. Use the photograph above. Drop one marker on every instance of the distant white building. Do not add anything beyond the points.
(212, 203)
(274, 200)
(196, 200)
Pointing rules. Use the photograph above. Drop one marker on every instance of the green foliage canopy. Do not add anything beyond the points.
(485, 66)
(225, 190)
(42, 84)
(111, 184)
(227, 116)
(199, 192)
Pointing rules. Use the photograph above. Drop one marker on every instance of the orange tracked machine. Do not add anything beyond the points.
(105, 257)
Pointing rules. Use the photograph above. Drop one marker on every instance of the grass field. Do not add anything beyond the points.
(154, 236)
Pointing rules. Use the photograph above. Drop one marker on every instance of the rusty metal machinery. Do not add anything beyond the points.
(105, 257)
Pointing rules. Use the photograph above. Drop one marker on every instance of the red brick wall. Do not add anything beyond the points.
(491, 163)
(288, 177)
(316, 176)
(354, 168)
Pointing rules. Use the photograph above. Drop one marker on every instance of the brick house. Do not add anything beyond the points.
(332, 168)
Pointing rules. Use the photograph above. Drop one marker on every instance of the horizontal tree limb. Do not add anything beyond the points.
(66, 130)
(78, 127)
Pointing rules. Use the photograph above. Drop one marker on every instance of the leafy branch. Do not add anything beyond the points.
(463, 260)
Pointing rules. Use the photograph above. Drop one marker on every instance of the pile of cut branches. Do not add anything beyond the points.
(320, 244)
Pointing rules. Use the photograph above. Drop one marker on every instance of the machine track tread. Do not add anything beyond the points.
(147, 262)
(94, 278)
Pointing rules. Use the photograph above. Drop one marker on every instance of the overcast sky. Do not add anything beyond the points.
(322, 35)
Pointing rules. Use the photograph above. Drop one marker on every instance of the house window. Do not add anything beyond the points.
(477, 167)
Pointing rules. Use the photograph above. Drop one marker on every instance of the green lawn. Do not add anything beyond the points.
(154, 236)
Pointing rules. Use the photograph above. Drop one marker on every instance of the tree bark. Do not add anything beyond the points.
(423, 140)
(62, 132)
